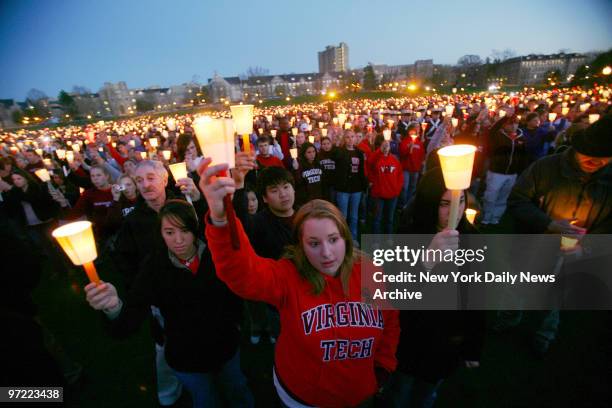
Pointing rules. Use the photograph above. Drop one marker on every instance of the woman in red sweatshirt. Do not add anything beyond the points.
(387, 180)
(412, 155)
(333, 350)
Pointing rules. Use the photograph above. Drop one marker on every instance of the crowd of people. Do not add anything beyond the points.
(315, 178)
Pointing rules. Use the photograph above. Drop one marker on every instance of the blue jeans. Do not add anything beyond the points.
(348, 203)
(410, 183)
(229, 381)
(406, 391)
(383, 213)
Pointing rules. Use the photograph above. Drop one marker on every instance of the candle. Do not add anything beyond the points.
(216, 138)
(294, 153)
(423, 126)
(324, 132)
(456, 162)
(565, 111)
(47, 162)
(153, 142)
(43, 175)
(455, 122)
(348, 125)
(449, 110)
(178, 170)
(502, 113)
(171, 124)
(311, 139)
(260, 131)
(321, 124)
(414, 137)
(143, 155)
(593, 117)
(167, 154)
(77, 241)
(61, 154)
(342, 118)
(273, 132)
(39, 151)
(568, 243)
(132, 143)
(584, 107)
(243, 123)
(552, 117)
(470, 214)
(114, 144)
(387, 134)
(70, 156)
(294, 131)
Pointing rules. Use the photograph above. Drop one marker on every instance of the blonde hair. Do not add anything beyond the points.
(320, 209)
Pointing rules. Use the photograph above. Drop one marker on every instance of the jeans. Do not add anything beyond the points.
(229, 381)
(410, 183)
(406, 391)
(349, 206)
(169, 388)
(496, 195)
(383, 213)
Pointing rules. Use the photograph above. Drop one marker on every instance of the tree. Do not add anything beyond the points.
(17, 117)
(67, 102)
(469, 61)
(35, 95)
(369, 79)
(500, 56)
(256, 71)
(552, 77)
(80, 90)
(143, 105)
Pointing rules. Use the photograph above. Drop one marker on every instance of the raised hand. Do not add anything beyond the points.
(215, 187)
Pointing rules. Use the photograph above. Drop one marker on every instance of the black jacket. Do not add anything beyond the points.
(268, 233)
(507, 156)
(350, 171)
(201, 314)
(140, 233)
(43, 205)
(555, 188)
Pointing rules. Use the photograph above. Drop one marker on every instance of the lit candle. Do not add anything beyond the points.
(294, 131)
(311, 139)
(77, 241)
(584, 107)
(293, 152)
(470, 214)
(132, 143)
(167, 154)
(260, 131)
(593, 117)
(387, 134)
(502, 113)
(216, 138)
(348, 125)
(449, 110)
(552, 117)
(171, 124)
(39, 151)
(568, 243)
(70, 156)
(321, 124)
(456, 162)
(565, 111)
(243, 123)
(153, 142)
(324, 132)
(61, 154)
(273, 132)
(47, 162)
(43, 175)
(143, 155)
(455, 122)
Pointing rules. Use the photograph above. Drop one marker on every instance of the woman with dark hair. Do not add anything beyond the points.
(433, 344)
(308, 175)
(329, 168)
(201, 314)
(322, 357)
(31, 207)
(64, 186)
(186, 148)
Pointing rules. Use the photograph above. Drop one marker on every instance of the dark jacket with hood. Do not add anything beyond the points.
(507, 155)
(433, 344)
(555, 188)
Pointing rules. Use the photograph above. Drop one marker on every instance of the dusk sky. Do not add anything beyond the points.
(53, 45)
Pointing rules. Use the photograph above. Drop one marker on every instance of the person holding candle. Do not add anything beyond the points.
(265, 157)
(34, 161)
(544, 200)
(188, 151)
(321, 268)
(125, 196)
(134, 242)
(537, 135)
(412, 155)
(207, 362)
(284, 139)
(434, 344)
(387, 181)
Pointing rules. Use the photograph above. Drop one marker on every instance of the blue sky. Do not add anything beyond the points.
(53, 45)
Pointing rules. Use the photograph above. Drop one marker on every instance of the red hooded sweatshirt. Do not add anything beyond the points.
(386, 175)
(412, 159)
(366, 149)
(270, 161)
(329, 343)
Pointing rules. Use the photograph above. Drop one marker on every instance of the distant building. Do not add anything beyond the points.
(423, 69)
(334, 59)
(532, 69)
(116, 99)
(272, 86)
(88, 103)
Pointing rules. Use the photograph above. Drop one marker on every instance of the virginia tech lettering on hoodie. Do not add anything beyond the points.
(343, 314)
(312, 175)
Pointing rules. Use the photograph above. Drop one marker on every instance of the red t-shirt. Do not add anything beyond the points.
(192, 264)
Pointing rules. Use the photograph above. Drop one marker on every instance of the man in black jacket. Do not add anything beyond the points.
(138, 236)
(569, 193)
(269, 230)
